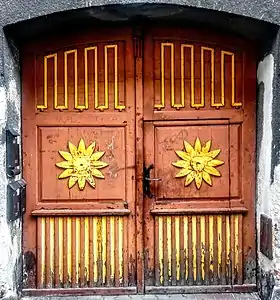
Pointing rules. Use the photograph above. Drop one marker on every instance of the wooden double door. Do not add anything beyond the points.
(139, 154)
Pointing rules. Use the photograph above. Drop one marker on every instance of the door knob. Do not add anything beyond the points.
(146, 181)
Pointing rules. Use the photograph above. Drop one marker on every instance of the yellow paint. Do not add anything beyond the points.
(78, 248)
(198, 163)
(194, 245)
(121, 248)
(228, 239)
(81, 165)
(103, 222)
(43, 249)
(51, 237)
(183, 46)
(223, 54)
(186, 246)
(219, 235)
(236, 236)
(202, 236)
(112, 233)
(86, 231)
(169, 243)
(65, 106)
(86, 50)
(96, 243)
(60, 248)
(177, 240)
(160, 256)
(69, 248)
(211, 243)
(46, 58)
(202, 103)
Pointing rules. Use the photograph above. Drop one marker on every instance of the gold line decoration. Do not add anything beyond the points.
(46, 58)
(183, 46)
(198, 163)
(66, 53)
(202, 103)
(81, 164)
(95, 76)
(223, 54)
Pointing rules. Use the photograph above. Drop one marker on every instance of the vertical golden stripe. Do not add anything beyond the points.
(69, 248)
(211, 243)
(66, 53)
(233, 103)
(203, 246)
(169, 244)
(121, 248)
(183, 46)
(228, 239)
(160, 248)
(236, 236)
(45, 104)
(177, 234)
(219, 224)
(43, 247)
(87, 247)
(194, 245)
(112, 233)
(104, 247)
(60, 249)
(86, 74)
(51, 236)
(95, 247)
(186, 224)
(78, 250)
(172, 79)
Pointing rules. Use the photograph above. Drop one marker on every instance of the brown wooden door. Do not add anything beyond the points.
(199, 135)
(78, 153)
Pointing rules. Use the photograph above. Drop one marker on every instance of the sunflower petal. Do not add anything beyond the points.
(82, 146)
(197, 145)
(188, 148)
(66, 155)
(91, 180)
(215, 163)
(65, 164)
(90, 149)
(212, 171)
(182, 154)
(97, 155)
(198, 180)
(213, 153)
(66, 173)
(184, 172)
(207, 178)
(73, 149)
(207, 147)
(97, 173)
(99, 164)
(81, 183)
(181, 164)
(190, 178)
(72, 181)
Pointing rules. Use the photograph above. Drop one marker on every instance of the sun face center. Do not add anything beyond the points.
(198, 163)
(81, 164)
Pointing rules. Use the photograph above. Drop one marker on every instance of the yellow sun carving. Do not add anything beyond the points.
(81, 164)
(198, 163)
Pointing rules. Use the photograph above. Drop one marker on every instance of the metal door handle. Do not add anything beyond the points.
(146, 181)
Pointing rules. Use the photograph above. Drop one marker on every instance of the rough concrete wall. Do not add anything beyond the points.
(10, 232)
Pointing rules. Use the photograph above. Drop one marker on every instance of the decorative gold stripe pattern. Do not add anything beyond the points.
(189, 83)
(91, 86)
(208, 249)
(84, 245)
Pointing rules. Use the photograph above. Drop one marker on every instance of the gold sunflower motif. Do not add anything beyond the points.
(198, 163)
(81, 164)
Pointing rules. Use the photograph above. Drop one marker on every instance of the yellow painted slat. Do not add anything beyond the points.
(104, 247)
(177, 236)
(160, 235)
(51, 252)
(112, 254)
(86, 231)
(202, 236)
(43, 249)
(60, 249)
(121, 248)
(186, 246)
(194, 235)
(169, 244)
(96, 243)
(219, 234)
(78, 248)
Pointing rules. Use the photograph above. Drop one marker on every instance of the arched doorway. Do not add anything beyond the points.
(138, 148)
